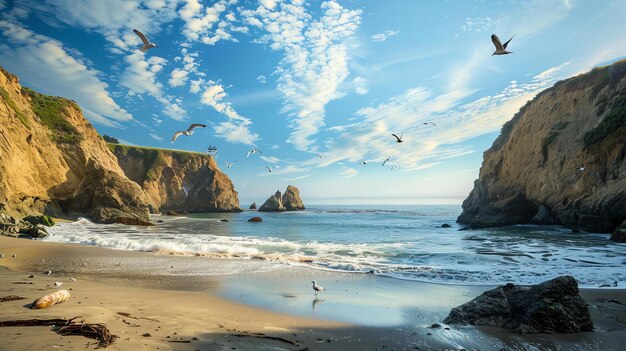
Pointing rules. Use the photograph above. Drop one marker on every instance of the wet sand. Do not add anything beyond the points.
(206, 312)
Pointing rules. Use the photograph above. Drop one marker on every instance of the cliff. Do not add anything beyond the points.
(289, 201)
(560, 160)
(53, 161)
(178, 180)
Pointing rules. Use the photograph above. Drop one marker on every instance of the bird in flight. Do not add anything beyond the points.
(269, 168)
(187, 132)
(320, 155)
(427, 123)
(252, 152)
(228, 165)
(147, 45)
(394, 167)
(398, 138)
(362, 163)
(386, 160)
(317, 288)
(500, 49)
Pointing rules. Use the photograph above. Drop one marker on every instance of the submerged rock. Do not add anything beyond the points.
(554, 306)
(445, 225)
(253, 206)
(273, 204)
(619, 234)
(292, 200)
(255, 219)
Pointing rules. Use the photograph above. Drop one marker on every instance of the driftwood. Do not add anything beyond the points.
(96, 331)
(263, 336)
(35, 322)
(51, 299)
(11, 298)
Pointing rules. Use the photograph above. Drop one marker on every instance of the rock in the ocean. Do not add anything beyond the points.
(172, 213)
(619, 234)
(255, 219)
(554, 306)
(253, 206)
(273, 204)
(445, 225)
(292, 200)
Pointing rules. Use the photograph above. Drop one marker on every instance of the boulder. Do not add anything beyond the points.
(445, 225)
(291, 199)
(273, 204)
(10, 226)
(619, 234)
(253, 206)
(554, 306)
(172, 213)
(43, 220)
(255, 219)
(543, 217)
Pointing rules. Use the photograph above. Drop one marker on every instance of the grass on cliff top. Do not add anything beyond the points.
(5, 96)
(51, 111)
(611, 129)
(125, 148)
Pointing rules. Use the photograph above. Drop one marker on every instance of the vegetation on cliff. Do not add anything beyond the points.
(51, 111)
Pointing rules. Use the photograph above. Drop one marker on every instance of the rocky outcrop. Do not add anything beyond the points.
(619, 234)
(560, 160)
(292, 200)
(289, 201)
(255, 219)
(273, 204)
(178, 180)
(31, 226)
(554, 306)
(53, 161)
(253, 206)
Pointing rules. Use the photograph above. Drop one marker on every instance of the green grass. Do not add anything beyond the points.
(11, 103)
(611, 129)
(51, 111)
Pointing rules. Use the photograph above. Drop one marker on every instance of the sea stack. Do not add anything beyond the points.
(273, 204)
(289, 201)
(253, 206)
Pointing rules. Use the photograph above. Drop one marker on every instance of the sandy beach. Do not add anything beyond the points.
(170, 312)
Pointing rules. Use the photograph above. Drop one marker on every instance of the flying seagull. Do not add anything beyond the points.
(386, 160)
(394, 167)
(228, 165)
(317, 288)
(187, 132)
(427, 123)
(500, 49)
(320, 155)
(252, 152)
(147, 45)
(398, 138)
(362, 163)
(269, 168)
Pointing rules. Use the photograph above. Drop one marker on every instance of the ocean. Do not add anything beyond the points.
(402, 242)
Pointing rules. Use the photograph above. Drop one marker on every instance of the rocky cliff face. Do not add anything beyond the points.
(53, 161)
(560, 159)
(289, 201)
(178, 180)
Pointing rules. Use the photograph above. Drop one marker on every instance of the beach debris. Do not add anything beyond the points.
(51, 299)
(58, 284)
(73, 279)
(47, 272)
(98, 331)
(264, 336)
(317, 288)
(31, 276)
(35, 322)
(146, 335)
(126, 314)
(14, 255)
(1, 255)
(11, 298)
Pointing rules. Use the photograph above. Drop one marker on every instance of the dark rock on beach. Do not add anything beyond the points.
(554, 306)
(10, 226)
(255, 219)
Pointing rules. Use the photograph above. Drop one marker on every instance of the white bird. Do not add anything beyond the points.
(317, 288)
(187, 132)
(500, 49)
(228, 165)
(320, 155)
(581, 169)
(386, 160)
(48, 272)
(147, 45)
(398, 138)
(269, 168)
(252, 152)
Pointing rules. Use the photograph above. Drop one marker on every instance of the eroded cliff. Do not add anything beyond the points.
(53, 161)
(178, 180)
(560, 160)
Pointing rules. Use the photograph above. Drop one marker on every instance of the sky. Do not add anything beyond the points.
(298, 78)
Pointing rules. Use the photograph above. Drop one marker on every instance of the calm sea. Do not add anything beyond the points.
(404, 242)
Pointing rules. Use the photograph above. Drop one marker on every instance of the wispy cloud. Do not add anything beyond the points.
(297, 178)
(477, 24)
(270, 159)
(384, 35)
(315, 59)
(156, 137)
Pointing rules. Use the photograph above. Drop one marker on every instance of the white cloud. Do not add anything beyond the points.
(360, 86)
(384, 35)
(349, 172)
(477, 24)
(46, 65)
(178, 77)
(235, 133)
(156, 137)
(270, 159)
(196, 85)
(297, 178)
(140, 76)
(261, 78)
(209, 24)
(315, 59)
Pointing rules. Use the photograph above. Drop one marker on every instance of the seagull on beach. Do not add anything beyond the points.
(317, 288)
(147, 45)
(386, 160)
(500, 49)
(252, 152)
(228, 165)
(187, 132)
(398, 138)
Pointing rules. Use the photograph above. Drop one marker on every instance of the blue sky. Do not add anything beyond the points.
(298, 78)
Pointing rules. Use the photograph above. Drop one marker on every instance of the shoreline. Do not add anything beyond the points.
(212, 309)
